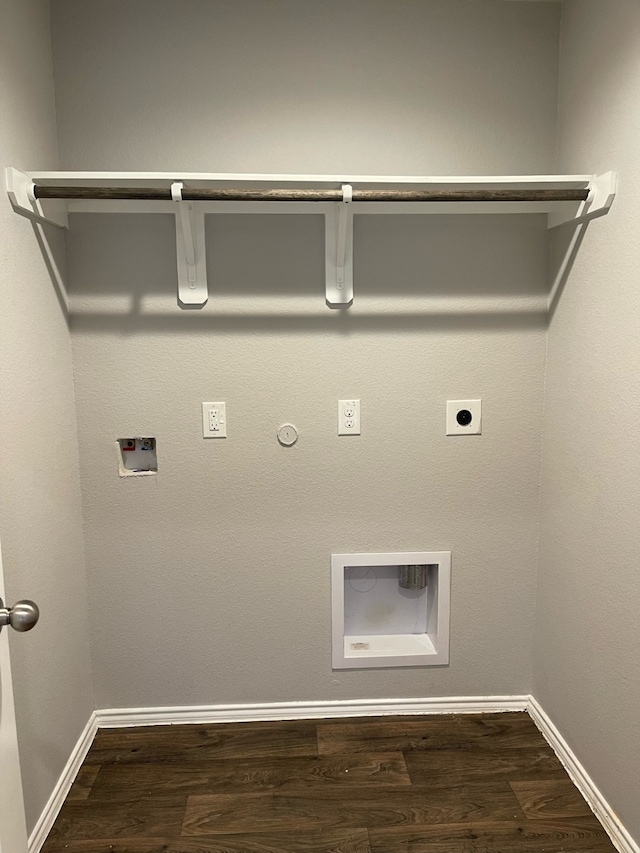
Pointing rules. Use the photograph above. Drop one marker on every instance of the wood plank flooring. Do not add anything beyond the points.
(436, 784)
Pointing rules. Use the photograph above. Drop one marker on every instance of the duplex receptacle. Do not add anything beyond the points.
(214, 420)
(348, 417)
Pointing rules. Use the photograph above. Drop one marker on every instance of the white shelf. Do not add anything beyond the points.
(190, 240)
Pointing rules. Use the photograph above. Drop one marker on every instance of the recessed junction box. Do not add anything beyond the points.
(137, 457)
(378, 622)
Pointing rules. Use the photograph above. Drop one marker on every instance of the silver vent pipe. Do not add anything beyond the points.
(413, 577)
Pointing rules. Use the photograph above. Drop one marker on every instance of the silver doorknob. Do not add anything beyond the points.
(22, 616)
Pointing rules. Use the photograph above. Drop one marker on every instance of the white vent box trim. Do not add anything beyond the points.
(376, 623)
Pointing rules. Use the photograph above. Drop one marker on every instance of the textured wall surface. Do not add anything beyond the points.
(588, 642)
(40, 516)
(210, 583)
(363, 86)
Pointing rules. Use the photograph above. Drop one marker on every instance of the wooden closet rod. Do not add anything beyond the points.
(196, 194)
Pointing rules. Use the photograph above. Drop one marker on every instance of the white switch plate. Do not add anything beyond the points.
(348, 417)
(464, 417)
(214, 420)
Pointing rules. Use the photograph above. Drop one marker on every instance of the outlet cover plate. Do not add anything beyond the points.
(214, 420)
(348, 417)
(459, 423)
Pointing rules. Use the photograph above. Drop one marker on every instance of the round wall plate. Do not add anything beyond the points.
(287, 435)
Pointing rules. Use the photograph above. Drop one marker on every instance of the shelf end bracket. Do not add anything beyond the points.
(602, 192)
(339, 251)
(193, 290)
(21, 192)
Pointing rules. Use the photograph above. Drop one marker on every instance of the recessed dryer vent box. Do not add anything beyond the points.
(137, 457)
(377, 623)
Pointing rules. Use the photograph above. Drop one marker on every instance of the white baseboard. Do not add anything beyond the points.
(122, 717)
(63, 786)
(581, 779)
(125, 717)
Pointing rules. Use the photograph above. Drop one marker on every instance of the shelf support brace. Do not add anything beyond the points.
(193, 291)
(602, 191)
(339, 251)
(20, 189)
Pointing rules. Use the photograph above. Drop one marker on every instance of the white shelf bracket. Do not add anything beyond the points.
(193, 290)
(20, 189)
(602, 191)
(339, 250)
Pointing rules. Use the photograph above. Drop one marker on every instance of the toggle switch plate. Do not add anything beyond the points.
(214, 420)
(348, 417)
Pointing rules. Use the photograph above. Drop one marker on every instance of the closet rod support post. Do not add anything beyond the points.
(193, 290)
(339, 251)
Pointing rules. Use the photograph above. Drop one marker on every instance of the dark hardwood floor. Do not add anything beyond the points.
(437, 784)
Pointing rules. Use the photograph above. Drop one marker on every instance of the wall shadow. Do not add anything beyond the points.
(266, 274)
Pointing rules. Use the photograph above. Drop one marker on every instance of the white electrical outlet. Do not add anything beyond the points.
(348, 417)
(214, 420)
(464, 417)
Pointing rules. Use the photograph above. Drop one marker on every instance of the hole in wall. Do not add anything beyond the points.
(137, 457)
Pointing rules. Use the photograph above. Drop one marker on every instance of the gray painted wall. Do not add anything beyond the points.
(362, 87)
(588, 642)
(40, 515)
(211, 582)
